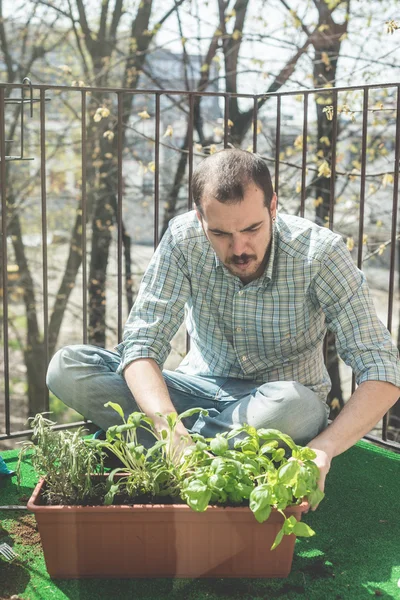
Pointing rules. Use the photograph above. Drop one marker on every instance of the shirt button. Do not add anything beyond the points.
(241, 293)
(244, 358)
(239, 329)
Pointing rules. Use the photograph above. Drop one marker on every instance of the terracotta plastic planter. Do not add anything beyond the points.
(169, 540)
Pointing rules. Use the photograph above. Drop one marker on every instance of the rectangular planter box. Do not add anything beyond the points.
(168, 540)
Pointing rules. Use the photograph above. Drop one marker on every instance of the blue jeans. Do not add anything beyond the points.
(84, 377)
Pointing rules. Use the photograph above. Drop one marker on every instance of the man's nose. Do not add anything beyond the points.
(238, 245)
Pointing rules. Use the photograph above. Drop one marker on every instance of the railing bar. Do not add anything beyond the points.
(392, 445)
(17, 434)
(4, 261)
(226, 121)
(385, 421)
(363, 171)
(190, 202)
(157, 172)
(304, 155)
(362, 195)
(190, 145)
(119, 214)
(39, 86)
(21, 100)
(84, 218)
(333, 161)
(255, 123)
(22, 122)
(277, 144)
(325, 349)
(44, 238)
(394, 214)
(17, 158)
(353, 383)
(338, 88)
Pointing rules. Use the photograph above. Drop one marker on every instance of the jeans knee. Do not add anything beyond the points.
(56, 371)
(294, 409)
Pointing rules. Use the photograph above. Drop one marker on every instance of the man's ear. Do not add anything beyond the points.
(274, 205)
(199, 215)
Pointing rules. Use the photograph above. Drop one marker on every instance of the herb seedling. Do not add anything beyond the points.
(67, 462)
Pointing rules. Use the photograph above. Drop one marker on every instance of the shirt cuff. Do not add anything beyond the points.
(386, 373)
(132, 353)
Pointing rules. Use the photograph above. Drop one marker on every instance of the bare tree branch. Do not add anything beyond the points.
(86, 69)
(84, 24)
(103, 20)
(117, 14)
(303, 26)
(5, 47)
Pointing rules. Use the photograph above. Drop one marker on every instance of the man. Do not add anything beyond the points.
(258, 291)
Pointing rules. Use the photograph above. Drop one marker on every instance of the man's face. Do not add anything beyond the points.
(241, 232)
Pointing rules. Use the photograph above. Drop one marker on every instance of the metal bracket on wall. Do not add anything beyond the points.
(22, 101)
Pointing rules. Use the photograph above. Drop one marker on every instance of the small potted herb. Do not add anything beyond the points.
(67, 462)
(224, 508)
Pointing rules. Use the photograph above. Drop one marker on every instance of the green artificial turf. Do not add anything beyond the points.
(355, 553)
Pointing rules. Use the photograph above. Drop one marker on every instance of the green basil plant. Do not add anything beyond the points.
(264, 470)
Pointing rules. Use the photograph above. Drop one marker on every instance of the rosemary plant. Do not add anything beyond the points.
(66, 460)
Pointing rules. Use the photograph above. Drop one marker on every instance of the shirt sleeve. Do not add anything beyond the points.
(362, 341)
(159, 307)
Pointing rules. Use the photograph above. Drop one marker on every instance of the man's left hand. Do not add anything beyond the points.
(323, 462)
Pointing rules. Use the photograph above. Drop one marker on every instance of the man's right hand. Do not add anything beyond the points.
(178, 443)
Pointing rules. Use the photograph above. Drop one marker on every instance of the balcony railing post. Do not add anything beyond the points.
(84, 217)
(4, 211)
(304, 156)
(277, 144)
(157, 172)
(44, 238)
(120, 135)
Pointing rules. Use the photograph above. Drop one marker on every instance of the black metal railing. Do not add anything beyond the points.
(111, 132)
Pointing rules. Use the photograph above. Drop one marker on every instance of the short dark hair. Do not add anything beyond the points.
(226, 174)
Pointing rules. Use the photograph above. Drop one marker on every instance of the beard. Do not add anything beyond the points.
(255, 268)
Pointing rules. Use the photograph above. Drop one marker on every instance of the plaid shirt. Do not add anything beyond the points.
(270, 329)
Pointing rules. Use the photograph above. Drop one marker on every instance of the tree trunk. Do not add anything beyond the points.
(327, 50)
(104, 218)
(34, 356)
(173, 195)
(34, 349)
(74, 262)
